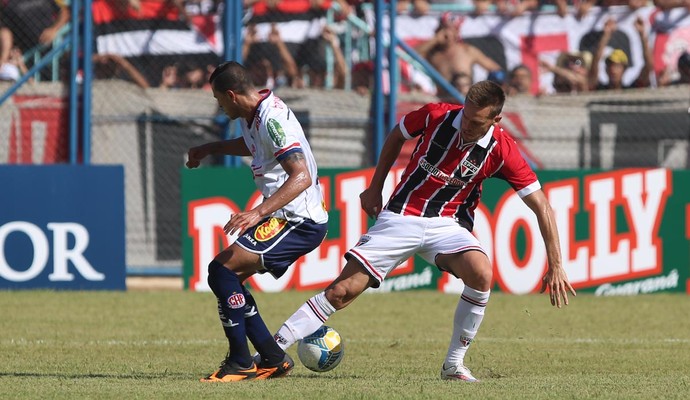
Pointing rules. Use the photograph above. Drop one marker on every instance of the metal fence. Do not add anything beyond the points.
(150, 100)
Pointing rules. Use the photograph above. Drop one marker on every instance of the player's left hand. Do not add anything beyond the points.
(242, 221)
(556, 281)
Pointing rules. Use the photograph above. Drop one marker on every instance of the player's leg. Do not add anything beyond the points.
(225, 282)
(474, 268)
(280, 244)
(455, 250)
(391, 240)
(270, 359)
(352, 281)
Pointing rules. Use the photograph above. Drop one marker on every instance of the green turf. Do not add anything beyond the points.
(158, 344)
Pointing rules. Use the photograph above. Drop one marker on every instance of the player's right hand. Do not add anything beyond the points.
(194, 156)
(371, 202)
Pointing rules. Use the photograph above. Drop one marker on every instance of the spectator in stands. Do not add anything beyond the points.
(519, 81)
(571, 72)
(511, 8)
(271, 63)
(449, 55)
(363, 77)
(682, 70)
(114, 66)
(665, 5)
(418, 7)
(14, 67)
(584, 6)
(311, 60)
(340, 70)
(195, 75)
(28, 23)
(481, 6)
(617, 61)
(461, 82)
(169, 77)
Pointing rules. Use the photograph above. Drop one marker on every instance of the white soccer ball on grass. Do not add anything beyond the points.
(322, 350)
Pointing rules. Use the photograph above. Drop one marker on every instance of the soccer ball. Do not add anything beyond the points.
(322, 350)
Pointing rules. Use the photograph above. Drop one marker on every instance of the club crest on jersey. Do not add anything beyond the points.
(468, 168)
(236, 300)
(276, 132)
(269, 229)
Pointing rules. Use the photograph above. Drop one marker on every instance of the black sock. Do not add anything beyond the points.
(231, 302)
(258, 333)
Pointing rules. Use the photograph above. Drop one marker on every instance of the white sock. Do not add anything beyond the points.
(306, 320)
(468, 316)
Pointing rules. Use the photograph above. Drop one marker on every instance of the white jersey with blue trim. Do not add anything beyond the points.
(273, 134)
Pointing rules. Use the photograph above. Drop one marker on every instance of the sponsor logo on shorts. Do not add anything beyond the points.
(236, 301)
(269, 229)
(276, 132)
(363, 239)
(249, 238)
(450, 180)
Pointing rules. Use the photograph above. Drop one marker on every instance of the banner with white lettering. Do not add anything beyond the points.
(623, 231)
(62, 227)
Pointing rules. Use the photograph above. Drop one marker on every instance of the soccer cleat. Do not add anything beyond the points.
(279, 370)
(230, 371)
(457, 372)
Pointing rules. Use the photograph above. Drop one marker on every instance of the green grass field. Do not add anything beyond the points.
(158, 344)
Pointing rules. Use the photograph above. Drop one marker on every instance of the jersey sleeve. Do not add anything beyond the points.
(412, 124)
(282, 140)
(515, 169)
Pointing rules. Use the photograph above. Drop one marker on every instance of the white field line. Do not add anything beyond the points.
(381, 341)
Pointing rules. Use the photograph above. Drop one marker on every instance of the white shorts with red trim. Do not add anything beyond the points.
(394, 238)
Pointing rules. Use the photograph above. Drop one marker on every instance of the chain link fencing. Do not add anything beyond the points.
(151, 103)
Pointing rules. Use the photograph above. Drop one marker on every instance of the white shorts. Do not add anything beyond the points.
(394, 238)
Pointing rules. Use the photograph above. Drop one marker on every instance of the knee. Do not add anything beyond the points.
(483, 278)
(217, 273)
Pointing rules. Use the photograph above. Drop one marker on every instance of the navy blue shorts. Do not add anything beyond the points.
(280, 243)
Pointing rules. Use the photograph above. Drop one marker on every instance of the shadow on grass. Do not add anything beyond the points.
(95, 375)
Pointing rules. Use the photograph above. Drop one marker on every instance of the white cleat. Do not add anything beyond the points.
(458, 373)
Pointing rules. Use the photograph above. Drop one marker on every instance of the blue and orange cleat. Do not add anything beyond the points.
(279, 370)
(230, 371)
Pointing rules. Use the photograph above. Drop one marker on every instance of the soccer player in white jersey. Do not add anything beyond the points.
(431, 213)
(290, 222)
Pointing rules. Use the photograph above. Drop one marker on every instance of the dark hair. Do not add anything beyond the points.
(487, 94)
(518, 68)
(231, 75)
(684, 60)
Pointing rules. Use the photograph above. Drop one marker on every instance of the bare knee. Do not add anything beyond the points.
(473, 267)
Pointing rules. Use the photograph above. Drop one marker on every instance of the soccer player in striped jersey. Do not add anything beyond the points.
(290, 222)
(431, 213)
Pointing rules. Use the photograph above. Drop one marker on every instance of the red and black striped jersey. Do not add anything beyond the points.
(444, 176)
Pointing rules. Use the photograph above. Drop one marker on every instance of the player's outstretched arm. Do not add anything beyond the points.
(555, 278)
(232, 147)
(370, 199)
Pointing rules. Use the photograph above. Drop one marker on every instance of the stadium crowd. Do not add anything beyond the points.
(320, 57)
